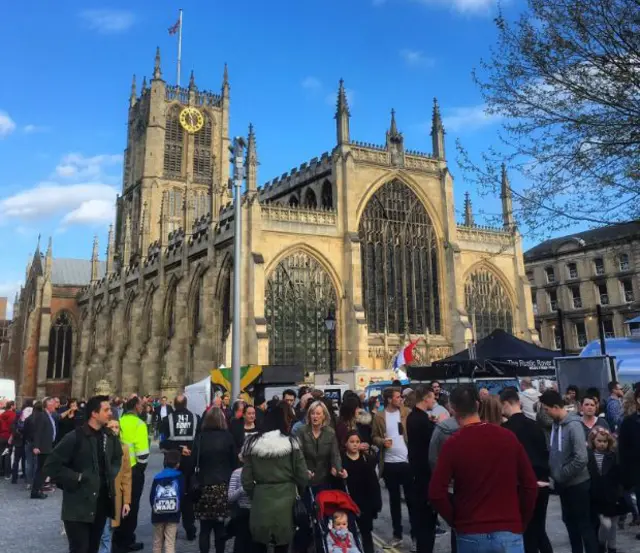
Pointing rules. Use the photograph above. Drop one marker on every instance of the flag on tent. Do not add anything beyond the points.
(404, 356)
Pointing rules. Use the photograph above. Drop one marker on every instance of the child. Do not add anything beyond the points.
(364, 487)
(167, 490)
(605, 486)
(241, 509)
(339, 539)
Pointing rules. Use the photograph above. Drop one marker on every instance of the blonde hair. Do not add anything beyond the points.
(600, 431)
(629, 405)
(491, 410)
(325, 413)
(339, 515)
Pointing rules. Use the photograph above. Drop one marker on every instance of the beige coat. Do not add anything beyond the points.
(123, 486)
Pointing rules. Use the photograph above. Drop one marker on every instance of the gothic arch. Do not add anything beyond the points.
(128, 318)
(326, 196)
(62, 335)
(169, 310)
(310, 201)
(147, 314)
(195, 301)
(294, 200)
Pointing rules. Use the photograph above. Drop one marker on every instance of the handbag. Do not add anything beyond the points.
(195, 487)
(300, 511)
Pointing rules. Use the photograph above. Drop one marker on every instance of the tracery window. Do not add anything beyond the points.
(327, 195)
(173, 143)
(399, 263)
(60, 347)
(299, 294)
(487, 304)
(202, 151)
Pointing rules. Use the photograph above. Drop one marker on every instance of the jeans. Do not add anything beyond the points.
(496, 542)
(576, 515)
(535, 536)
(396, 476)
(30, 463)
(220, 538)
(105, 539)
(38, 479)
(18, 456)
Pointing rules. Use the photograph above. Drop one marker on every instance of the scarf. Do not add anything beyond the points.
(343, 543)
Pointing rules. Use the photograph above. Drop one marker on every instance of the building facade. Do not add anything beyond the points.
(578, 272)
(366, 233)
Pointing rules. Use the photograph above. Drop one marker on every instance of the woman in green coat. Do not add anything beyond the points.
(274, 470)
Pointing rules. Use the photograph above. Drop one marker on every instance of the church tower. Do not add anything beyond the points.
(177, 140)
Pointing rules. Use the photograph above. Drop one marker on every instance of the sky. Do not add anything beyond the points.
(67, 68)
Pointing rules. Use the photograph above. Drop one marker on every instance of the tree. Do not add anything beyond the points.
(564, 80)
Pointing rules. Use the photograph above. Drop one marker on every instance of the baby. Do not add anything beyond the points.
(340, 540)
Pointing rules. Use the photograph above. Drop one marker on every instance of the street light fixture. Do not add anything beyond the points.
(330, 323)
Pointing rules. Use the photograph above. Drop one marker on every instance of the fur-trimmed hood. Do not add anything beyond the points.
(364, 417)
(273, 444)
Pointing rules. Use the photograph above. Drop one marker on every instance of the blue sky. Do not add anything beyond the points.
(67, 70)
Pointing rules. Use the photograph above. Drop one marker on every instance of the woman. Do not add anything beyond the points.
(590, 417)
(629, 446)
(373, 405)
(69, 420)
(353, 417)
(244, 427)
(214, 451)
(320, 447)
(274, 470)
(19, 445)
(491, 410)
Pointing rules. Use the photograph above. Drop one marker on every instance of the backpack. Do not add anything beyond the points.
(166, 497)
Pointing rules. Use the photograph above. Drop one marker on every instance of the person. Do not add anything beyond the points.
(572, 399)
(243, 428)
(364, 487)
(494, 485)
(568, 464)
(373, 405)
(69, 419)
(165, 497)
(289, 397)
(116, 408)
(613, 407)
(215, 456)
(339, 538)
(532, 438)
(45, 432)
(352, 417)
(606, 486)
(490, 409)
(178, 430)
(629, 447)
(484, 394)
(85, 463)
(590, 417)
(320, 447)
(7, 418)
(409, 398)
(226, 406)
(390, 436)
(19, 442)
(30, 459)
(529, 397)
(133, 433)
(273, 472)
(162, 411)
(420, 427)
(442, 396)
(240, 505)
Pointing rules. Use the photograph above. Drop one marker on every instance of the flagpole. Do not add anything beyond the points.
(179, 44)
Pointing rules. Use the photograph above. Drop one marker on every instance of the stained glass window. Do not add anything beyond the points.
(487, 304)
(299, 294)
(399, 263)
(60, 347)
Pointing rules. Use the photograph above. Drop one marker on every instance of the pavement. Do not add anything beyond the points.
(34, 525)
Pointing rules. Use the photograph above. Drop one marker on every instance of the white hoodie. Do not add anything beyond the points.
(529, 401)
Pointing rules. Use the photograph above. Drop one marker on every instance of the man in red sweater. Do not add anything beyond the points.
(6, 429)
(494, 486)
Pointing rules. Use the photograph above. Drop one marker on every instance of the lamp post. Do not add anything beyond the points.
(330, 323)
(238, 176)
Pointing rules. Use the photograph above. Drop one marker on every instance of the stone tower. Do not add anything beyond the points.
(162, 161)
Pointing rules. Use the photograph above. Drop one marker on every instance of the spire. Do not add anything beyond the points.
(342, 116)
(134, 95)
(437, 132)
(157, 72)
(251, 161)
(48, 258)
(392, 134)
(110, 251)
(144, 84)
(508, 221)
(468, 211)
(38, 245)
(192, 81)
(225, 82)
(94, 261)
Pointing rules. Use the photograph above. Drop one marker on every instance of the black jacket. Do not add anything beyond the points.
(629, 450)
(156, 413)
(419, 431)
(185, 424)
(43, 432)
(531, 435)
(239, 433)
(363, 484)
(217, 456)
(606, 488)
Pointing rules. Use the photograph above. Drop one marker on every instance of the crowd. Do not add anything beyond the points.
(302, 473)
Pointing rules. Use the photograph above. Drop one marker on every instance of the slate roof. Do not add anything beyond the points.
(587, 239)
(74, 272)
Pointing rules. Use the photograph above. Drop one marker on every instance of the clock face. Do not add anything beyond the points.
(191, 120)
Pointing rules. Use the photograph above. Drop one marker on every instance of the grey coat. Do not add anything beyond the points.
(443, 431)
(568, 457)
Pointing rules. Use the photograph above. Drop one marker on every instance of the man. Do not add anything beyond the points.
(483, 394)
(161, 412)
(179, 432)
(133, 433)
(89, 487)
(289, 397)
(532, 438)
(613, 409)
(529, 397)
(390, 435)
(442, 397)
(420, 428)
(116, 408)
(494, 485)
(7, 419)
(568, 463)
(45, 432)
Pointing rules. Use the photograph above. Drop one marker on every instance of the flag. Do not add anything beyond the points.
(404, 356)
(174, 28)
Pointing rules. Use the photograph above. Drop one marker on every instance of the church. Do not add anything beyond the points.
(364, 233)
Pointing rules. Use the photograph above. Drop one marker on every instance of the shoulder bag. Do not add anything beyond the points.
(195, 487)
(300, 511)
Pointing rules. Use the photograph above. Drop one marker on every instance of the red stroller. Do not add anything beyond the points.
(326, 503)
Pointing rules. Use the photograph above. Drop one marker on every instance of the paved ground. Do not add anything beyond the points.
(34, 526)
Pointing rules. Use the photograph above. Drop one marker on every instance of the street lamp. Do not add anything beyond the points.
(330, 323)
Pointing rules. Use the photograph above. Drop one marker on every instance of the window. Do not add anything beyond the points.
(598, 263)
(173, 144)
(575, 296)
(581, 334)
(557, 338)
(60, 347)
(534, 300)
(487, 304)
(198, 307)
(327, 195)
(310, 201)
(294, 201)
(551, 276)
(202, 152)
(608, 328)
(553, 300)
(572, 270)
(627, 290)
(624, 262)
(170, 313)
(604, 297)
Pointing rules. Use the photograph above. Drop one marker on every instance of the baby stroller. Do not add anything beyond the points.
(325, 504)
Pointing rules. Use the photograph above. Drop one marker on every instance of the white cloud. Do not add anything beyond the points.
(80, 167)
(311, 83)
(468, 118)
(32, 129)
(7, 125)
(106, 21)
(463, 6)
(416, 58)
(91, 212)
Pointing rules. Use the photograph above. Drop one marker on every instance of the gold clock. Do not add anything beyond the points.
(191, 120)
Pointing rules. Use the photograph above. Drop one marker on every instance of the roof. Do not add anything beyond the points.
(587, 239)
(74, 272)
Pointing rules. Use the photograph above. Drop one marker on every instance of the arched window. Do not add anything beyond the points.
(173, 144)
(147, 317)
(327, 195)
(202, 151)
(298, 296)
(294, 201)
(60, 347)
(487, 304)
(399, 263)
(198, 307)
(170, 313)
(310, 199)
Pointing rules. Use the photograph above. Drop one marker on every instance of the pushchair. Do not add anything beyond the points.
(325, 504)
